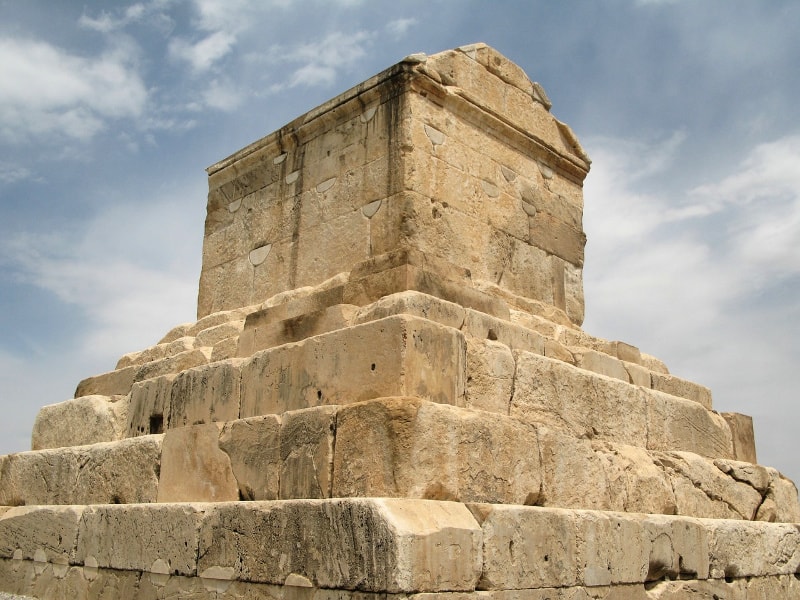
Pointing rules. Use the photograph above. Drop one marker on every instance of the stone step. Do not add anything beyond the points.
(396, 447)
(343, 547)
(402, 355)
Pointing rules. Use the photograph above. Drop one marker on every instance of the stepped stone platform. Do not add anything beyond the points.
(387, 392)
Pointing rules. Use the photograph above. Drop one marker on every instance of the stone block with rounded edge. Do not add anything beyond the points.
(81, 421)
(745, 549)
(125, 471)
(399, 355)
(371, 545)
(306, 452)
(47, 534)
(405, 447)
(205, 394)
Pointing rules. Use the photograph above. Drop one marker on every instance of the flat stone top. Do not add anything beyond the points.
(443, 70)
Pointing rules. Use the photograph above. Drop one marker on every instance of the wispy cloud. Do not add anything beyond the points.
(46, 90)
(320, 62)
(399, 27)
(12, 173)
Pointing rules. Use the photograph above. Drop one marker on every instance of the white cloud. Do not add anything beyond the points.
(203, 54)
(46, 90)
(399, 27)
(321, 61)
(12, 173)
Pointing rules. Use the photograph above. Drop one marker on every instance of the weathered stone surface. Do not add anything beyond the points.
(306, 452)
(159, 538)
(681, 387)
(206, 394)
(40, 533)
(114, 383)
(741, 549)
(370, 545)
(490, 375)
(194, 468)
(744, 443)
(404, 447)
(393, 356)
(253, 446)
(125, 471)
(85, 420)
(150, 406)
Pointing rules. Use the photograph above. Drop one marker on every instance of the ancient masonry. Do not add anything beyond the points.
(387, 393)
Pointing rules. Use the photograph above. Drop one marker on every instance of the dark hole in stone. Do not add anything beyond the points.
(492, 335)
(546, 558)
(116, 499)
(319, 394)
(156, 424)
(372, 366)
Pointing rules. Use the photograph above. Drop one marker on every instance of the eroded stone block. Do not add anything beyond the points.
(85, 420)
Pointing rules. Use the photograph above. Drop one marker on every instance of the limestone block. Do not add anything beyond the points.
(173, 364)
(678, 548)
(703, 489)
(781, 500)
(534, 322)
(635, 481)
(601, 363)
(125, 471)
(394, 356)
(637, 374)
(150, 405)
(81, 421)
(410, 448)
(678, 424)
(194, 468)
(490, 375)
(379, 545)
(744, 443)
(611, 547)
(176, 332)
(40, 533)
(516, 337)
(585, 404)
(268, 334)
(306, 452)
(225, 349)
(253, 446)
(742, 549)
(564, 455)
(114, 383)
(206, 394)
(216, 333)
(682, 388)
(412, 302)
(156, 538)
(527, 547)
(654, 364)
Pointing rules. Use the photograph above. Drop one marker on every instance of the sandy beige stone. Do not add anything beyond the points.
(394, 356)
(114, 383)
(682, 388)
(306, 452)
(194, 468)
(742, 549)
(598, 362)
(744, 443)
(410, 448)
(490, 375)
(253, 446)
(369, 545)
(168, 533)
(81, 421)
(125, 471)
(584, 404)
(30, 532)
(210, 393)
(149, 410)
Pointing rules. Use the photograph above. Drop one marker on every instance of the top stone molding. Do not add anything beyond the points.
(453, 159)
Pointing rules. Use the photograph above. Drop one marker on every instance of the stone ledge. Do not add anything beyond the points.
(479, 551)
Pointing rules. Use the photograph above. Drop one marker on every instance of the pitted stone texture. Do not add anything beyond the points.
(81, 421)
(28, 533)
(403, 447)
(141, 538)
(306, 452)
(114, 472)
(393, 356)
(370, 545)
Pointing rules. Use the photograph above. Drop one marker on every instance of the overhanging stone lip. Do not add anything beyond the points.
(413, 75)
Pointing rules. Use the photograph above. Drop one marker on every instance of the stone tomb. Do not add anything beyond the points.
(387, 391)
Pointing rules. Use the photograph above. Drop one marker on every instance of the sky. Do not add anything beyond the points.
(111, 111)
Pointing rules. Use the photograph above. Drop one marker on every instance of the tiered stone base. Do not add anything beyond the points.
(364, 548)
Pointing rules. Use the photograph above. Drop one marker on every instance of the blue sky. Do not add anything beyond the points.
(110, 111)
